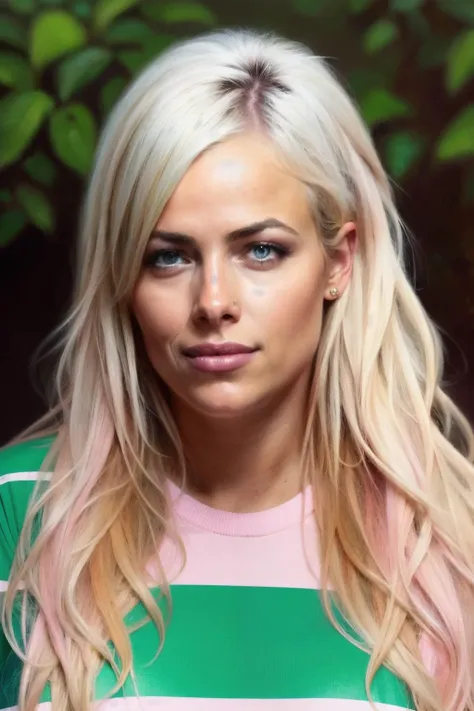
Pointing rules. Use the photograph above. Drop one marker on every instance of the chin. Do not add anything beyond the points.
(223, 400)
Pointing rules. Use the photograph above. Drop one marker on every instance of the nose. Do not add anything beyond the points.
(216, 300)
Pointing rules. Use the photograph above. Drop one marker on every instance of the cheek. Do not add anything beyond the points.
(294, 310)
(159, 316)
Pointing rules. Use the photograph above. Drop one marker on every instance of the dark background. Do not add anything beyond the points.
(408, 63)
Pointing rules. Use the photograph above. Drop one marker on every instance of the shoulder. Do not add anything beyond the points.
(19, 471)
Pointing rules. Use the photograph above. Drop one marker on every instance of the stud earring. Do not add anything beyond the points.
(334, 292)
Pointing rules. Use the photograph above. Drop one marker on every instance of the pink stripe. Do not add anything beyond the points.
(166, 703)
(279, 560)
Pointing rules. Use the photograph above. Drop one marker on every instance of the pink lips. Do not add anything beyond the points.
(219, 357)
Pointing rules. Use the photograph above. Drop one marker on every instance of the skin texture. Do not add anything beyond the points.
(241, 429)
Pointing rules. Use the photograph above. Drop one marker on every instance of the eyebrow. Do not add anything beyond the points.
(240, 233)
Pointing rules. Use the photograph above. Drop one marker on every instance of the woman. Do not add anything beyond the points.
(255, 493)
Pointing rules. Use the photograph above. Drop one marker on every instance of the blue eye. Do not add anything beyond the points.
(165, 259)
(265, 252)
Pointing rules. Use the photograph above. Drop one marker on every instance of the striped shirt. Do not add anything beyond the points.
(247, 631)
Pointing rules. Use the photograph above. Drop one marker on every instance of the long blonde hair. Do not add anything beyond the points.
(389, 454)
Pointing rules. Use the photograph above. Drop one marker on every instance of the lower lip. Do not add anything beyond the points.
(222, 363)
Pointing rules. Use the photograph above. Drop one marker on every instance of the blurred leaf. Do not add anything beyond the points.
(406, 5)
(12, 33)
(433, 51)
(111, 93)
(82, 9)
(359, 5)
(15, 72)
(134, 60)
(53, 34)
(310, 8)
(419, 24)
(80, 69)
(37, 207)
(73, 136)
(362, 80)
(458, 139)
(40, 168)
(21, 115)
(105, 11)
(380, 105)
(402, 151)
(460, 66)
(5, 196)
(180, 11)
(379, 35)
(129, 32)
(461, 9)
(23, 6)
(11, 224)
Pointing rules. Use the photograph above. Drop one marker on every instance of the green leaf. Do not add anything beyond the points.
(40, 168)
(12, 33)
(361, 80)
(129, 32)
(380, 105)
(379, 35)
(460, 9)
(82, 9)
(37, 207)
(26, 7)
(21, 115)
(53, 34)
(15, 72)
(111, 93)
(402, 151)
(460, 66)
(180, 11)
(11, 224)
(458, 139)
(406, 5)
(359, 5)
(80, 69)
(105, 11)
(134, 60)
(5, 196)
(73, 135)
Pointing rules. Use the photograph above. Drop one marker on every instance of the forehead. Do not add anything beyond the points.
(238, 181)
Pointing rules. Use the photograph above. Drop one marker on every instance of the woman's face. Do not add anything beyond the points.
(230, 296)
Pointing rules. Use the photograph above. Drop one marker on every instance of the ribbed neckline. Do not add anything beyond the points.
(228, 523)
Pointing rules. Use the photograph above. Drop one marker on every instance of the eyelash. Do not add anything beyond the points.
(151, 260)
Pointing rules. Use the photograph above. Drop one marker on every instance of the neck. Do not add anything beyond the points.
(246, 463)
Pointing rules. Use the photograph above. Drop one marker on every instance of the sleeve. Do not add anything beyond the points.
(19, 471)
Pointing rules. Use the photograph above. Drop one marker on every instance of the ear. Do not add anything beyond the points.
(341, 261)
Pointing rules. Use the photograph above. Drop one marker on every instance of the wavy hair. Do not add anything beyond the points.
(389, 454)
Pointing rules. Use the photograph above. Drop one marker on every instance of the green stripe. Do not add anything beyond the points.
(24, 457)
(244, 642)
(247, 642)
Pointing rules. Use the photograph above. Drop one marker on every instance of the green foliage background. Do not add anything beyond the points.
(63, 63)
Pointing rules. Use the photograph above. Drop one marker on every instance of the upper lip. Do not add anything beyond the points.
(217, 349)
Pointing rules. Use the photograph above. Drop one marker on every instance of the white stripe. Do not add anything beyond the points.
(174, 703)
(20, 476)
